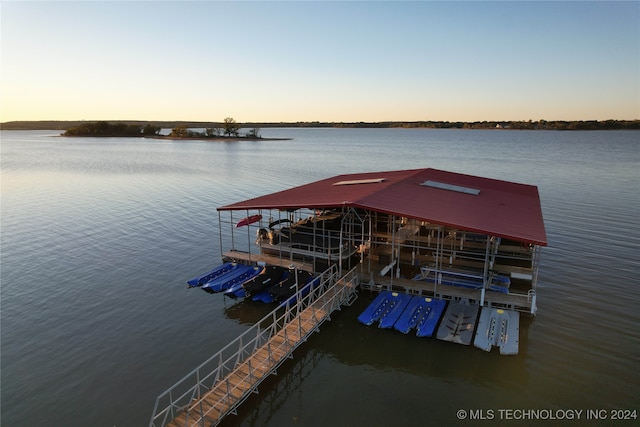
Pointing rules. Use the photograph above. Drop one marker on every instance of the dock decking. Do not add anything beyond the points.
(222, 383)
(519, 301)
(267, 259)
(220, 400)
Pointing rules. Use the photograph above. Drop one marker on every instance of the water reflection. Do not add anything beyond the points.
(99, 236)
(246, 311)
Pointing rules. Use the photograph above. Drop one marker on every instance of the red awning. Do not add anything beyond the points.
(483, 205)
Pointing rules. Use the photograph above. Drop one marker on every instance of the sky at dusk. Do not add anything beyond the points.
(320, 61)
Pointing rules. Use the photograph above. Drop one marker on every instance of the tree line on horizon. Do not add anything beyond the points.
(152, 127)
(112, 129)
(518, 125)
(228, 128)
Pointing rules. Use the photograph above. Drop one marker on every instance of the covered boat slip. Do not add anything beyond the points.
(312, 240)
(434, 262)
(428, 232)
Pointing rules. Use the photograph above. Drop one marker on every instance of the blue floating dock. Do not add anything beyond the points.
(458, 323)
(498, 327)
(263, 296)
(212, 275)
(386, 304)
(240, 274)
(394, 310)
(236, 291)
(423, 314)
(427, 325)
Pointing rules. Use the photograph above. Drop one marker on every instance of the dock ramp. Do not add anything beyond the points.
(218, 386)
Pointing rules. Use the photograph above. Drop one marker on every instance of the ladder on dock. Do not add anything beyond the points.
(218, 386)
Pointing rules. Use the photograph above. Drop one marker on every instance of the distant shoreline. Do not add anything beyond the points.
(498, 124)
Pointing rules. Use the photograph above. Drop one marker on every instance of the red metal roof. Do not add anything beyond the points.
(500, 208)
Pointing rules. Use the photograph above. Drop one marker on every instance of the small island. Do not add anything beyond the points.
(228, 130)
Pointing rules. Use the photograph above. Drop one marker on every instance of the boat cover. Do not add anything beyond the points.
(269, 276)
(288, 286)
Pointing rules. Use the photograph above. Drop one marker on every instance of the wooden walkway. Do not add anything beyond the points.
(229, 392)
(207, 406)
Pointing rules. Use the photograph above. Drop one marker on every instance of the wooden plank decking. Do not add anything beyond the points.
(230, 391)
(267, 259)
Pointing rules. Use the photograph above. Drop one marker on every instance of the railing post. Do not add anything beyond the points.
(198, 384)
(285, 336)
(258, 341)
(240, 350)
(250, 373)
(171, 404)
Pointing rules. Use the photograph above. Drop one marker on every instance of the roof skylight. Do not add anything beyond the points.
(360, 181)
(451, 187)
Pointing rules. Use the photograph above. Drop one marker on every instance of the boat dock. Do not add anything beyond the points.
(428, 238)
(218, 386)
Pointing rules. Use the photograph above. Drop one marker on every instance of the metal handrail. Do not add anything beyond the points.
(190, 390)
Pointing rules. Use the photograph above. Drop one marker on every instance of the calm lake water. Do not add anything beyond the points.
(99, 236)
